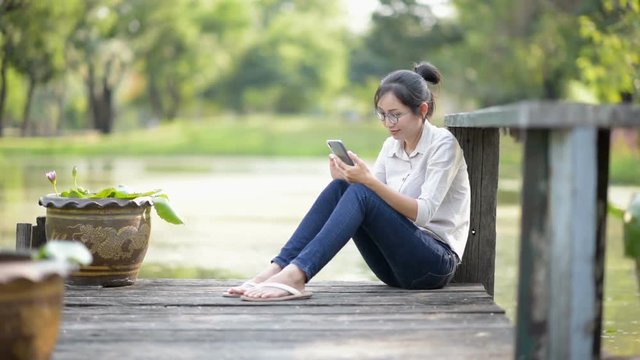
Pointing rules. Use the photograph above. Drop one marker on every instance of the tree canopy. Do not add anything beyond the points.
(102, 63)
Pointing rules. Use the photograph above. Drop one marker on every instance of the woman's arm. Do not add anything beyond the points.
(359, 173)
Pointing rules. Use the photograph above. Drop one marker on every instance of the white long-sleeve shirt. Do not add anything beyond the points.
(435, 174)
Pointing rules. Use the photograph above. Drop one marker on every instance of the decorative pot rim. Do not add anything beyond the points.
(59, 202)
(18, 266)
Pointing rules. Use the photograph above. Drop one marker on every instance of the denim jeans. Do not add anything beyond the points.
(396, 250)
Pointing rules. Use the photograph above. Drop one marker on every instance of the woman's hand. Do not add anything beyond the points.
(333, 168)
(358, 173)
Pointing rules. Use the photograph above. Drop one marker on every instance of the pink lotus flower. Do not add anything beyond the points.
(51, 175)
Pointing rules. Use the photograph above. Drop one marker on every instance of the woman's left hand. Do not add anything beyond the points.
(358, 173)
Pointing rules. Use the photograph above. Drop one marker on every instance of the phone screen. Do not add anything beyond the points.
(338, 148)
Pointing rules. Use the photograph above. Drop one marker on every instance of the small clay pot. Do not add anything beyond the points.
(116, 232)
(31, 298)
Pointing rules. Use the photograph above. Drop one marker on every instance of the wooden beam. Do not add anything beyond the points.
(23, 236)
(481, 149)
(533, 290)
(548, 115)
(39, 234)
(604, 146)
(573, 239)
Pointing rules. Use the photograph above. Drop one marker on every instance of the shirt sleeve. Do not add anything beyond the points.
(379, 168)
(441, 170)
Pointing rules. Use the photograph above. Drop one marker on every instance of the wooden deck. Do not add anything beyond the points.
(189, 319)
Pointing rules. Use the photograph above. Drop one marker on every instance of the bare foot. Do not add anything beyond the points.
(270, 271)
(291, 275)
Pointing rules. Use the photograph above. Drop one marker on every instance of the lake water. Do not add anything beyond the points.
(238, 212)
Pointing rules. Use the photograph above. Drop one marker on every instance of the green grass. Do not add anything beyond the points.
(257, 135)
(265, 135)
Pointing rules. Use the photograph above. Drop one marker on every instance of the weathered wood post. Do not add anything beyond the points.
(30, 236)
(481, 149)
(564, 198)
(23, 236)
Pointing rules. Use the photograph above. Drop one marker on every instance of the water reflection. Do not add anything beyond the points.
(239, 211)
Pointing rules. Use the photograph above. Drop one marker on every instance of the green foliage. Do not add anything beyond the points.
(148, 61)
(499, 51)
(62, 250)
(159, 200)
(36, 37)
(631, 228)
(610, 64)
(293, 66)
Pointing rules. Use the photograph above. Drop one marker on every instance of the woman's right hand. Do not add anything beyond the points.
(333, 169)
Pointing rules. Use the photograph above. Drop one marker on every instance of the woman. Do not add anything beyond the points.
(409, 216)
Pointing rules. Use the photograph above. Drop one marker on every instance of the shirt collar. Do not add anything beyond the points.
(423, 143)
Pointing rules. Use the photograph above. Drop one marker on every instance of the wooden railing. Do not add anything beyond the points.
(564, 204)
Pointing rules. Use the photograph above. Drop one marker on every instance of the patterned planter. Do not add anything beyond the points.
(31, 295)
(116, 232)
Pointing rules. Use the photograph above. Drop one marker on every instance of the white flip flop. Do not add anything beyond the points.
(245, 285)
(295, 294)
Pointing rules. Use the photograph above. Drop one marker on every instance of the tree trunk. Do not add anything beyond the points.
(525, 13)
(106, 106)
(154, 97)
(60, 95)
(100, 102)
(26, 121)
(551, 84)
(3, 85)
(174, 104)
(91, 95)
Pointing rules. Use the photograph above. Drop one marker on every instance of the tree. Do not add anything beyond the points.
(7, 39)
(184, 48)
(610, 62)
(499, 51)
(402, 32)
(296, 64)
(101, 55)
(37, 46)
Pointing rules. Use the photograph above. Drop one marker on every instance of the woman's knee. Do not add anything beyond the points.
(338, 183)
(361, 190)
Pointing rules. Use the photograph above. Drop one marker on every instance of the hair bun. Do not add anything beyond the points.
(428, 72)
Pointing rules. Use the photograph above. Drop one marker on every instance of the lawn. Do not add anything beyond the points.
(264, 135)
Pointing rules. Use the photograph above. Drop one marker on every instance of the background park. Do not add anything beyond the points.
(226, 105)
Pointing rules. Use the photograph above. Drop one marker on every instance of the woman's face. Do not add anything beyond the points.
(408, 126)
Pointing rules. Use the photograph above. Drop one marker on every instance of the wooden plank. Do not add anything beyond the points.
(290, 345)
(533, 279)
(169, 285)
(242, 308)
(604, 146)
(556, 292)
(481, 149)
(38, 236)
(23, 236)
(318, 300)
(172, 318)
(547, 115)
(572, 203)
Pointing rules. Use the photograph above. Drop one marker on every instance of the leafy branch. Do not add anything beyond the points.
(159, 200)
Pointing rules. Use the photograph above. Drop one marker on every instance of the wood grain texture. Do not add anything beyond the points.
(481, 148)
(547, 115)
(23, 236)
(189, 319)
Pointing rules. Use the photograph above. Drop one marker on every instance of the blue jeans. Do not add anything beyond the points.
(396, 250)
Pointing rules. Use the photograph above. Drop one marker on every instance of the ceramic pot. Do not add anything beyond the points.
(31, 294)
(116, 232)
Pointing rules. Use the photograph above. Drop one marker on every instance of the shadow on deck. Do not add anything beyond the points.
(189, 319)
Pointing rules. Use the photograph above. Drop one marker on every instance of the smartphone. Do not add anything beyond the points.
(338, 148)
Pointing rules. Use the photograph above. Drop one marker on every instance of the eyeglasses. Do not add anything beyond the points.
(392, 117)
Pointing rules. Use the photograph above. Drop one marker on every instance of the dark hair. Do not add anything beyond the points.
(410, 87)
